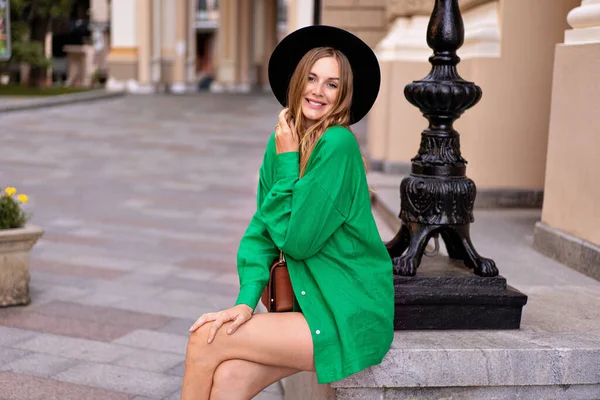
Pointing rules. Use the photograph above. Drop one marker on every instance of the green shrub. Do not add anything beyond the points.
(11, 214)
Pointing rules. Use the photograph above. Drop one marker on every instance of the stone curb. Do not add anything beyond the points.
(59, 100)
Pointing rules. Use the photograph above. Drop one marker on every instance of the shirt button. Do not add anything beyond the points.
(303, 293)
(318, 332)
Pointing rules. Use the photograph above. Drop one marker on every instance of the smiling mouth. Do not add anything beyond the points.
(315, 104)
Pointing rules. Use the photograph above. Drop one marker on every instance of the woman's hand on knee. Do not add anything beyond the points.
(238, 314)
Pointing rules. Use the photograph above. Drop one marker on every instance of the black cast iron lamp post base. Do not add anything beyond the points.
(437, 199)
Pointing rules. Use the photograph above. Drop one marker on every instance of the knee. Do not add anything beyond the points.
(199, 351)
(197, 346)
(229, 379)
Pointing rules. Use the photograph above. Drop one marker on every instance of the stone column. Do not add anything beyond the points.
(99, 23)
(569, 229)
(299, 14)
(192, 84)
(156, 43)
(259, 33)
(167, 42)
(181, 33)
(144, 34)
(227, 47)
(122, 59)
(270, 40)
(403, 55)
(246, 71)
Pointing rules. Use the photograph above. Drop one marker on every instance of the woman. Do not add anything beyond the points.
(313, 203)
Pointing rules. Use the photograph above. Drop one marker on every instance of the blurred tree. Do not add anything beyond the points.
(31, 21)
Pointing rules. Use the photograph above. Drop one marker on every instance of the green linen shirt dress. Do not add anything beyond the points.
(339, 267)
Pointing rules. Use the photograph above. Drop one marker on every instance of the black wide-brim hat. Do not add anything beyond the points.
(365, 67)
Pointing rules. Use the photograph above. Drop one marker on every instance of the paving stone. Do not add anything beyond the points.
(55, 267)
(99, 299)
(178, 326)
(80, 349)
(38, 364)
(208, 287)
(23, 387)
(178, 370)
(185, 296)
(44, 292)
(127, 288)
(174, 396)
(149, 360)
(164, 308)
(10, 336)
(159, 341)
(121, 379)
(8, 355)
(103, 315)
(66, 326)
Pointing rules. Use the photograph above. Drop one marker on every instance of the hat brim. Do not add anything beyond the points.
(365, 67)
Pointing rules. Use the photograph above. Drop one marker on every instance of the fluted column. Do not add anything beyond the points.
(585, 21)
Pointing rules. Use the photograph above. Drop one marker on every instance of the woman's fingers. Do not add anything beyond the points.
(224, 317)
(239, 320)
(202, 320)
(283, 124)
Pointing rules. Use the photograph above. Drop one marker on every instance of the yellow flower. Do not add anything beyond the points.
(10, 191)
(23, 198)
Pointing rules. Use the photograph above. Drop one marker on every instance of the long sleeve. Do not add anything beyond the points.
(256, 251)
(302, 214)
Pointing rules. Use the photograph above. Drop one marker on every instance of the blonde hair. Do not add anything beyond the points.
(340, 112)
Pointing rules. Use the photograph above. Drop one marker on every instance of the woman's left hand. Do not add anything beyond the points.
(286, 138)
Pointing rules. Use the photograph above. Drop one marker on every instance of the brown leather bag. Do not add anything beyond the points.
(278, 296)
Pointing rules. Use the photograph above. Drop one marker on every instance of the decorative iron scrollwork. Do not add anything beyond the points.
(438, 197)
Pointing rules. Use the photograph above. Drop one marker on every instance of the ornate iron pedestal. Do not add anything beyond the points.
(437, 199)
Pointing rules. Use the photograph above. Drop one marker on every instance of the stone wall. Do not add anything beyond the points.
(365, 18)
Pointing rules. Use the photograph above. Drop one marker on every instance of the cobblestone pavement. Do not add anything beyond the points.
(143, 200)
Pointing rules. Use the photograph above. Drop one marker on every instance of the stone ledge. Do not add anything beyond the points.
(574, 392)
(572, 251)
(49, 101)
(422, 359)
(475, 364)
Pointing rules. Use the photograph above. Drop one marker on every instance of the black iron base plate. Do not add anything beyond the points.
(444, 294)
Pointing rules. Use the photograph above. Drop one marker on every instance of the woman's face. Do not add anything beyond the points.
(321, 92)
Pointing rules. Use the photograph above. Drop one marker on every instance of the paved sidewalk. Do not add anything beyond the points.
(16, 103)
(144, 200)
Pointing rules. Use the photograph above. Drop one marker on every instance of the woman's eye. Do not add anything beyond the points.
(333, 85)
(310, 79)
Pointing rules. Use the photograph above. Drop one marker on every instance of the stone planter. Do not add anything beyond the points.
(15, 245)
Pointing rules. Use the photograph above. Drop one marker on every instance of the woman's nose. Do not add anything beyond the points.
(317, 89)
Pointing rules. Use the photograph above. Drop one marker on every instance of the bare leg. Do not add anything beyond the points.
(240, 379)
(273, 339)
